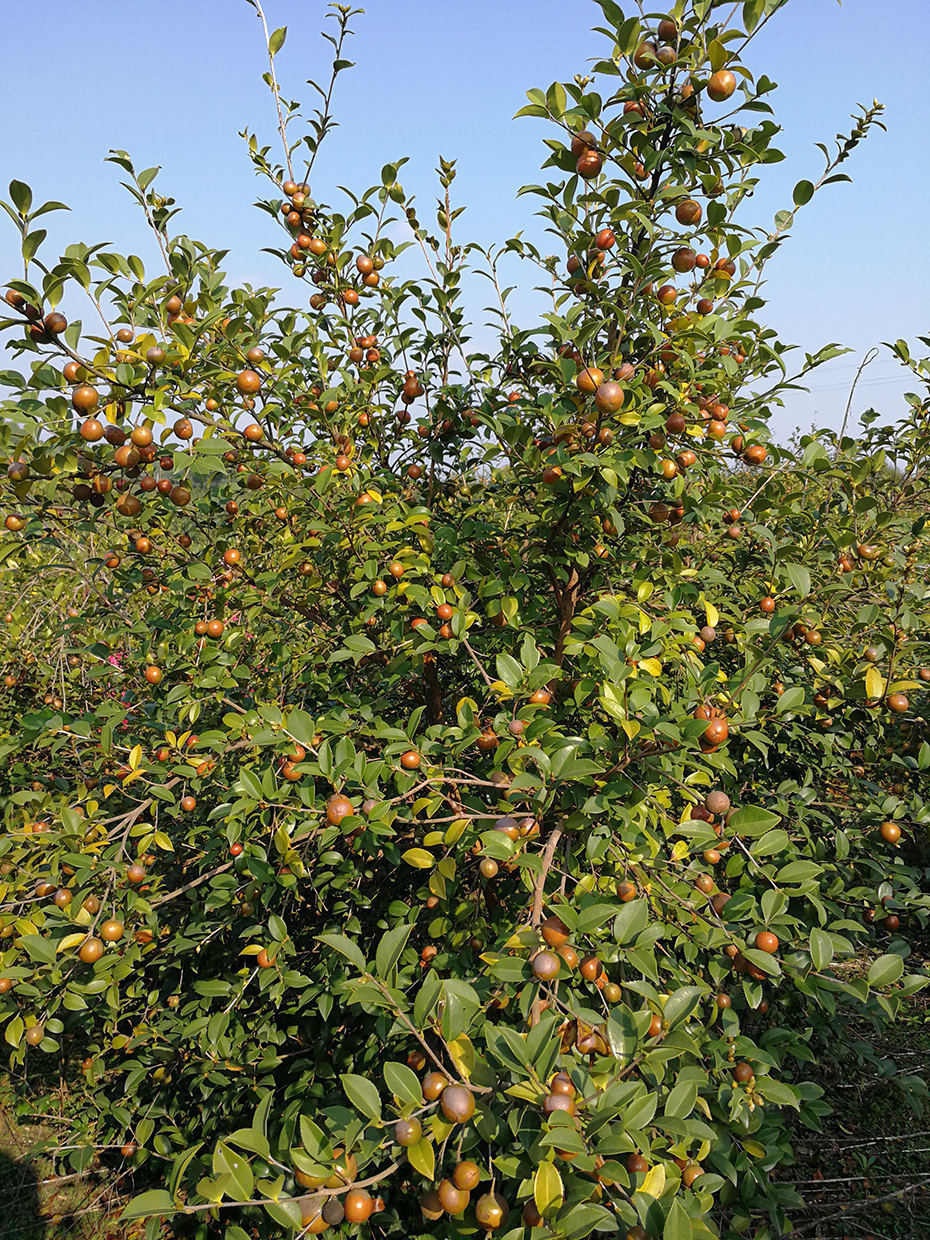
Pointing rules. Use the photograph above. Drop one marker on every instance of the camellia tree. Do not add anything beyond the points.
(443, 790)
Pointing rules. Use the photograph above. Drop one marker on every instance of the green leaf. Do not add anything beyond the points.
(21, 195)
(631, 920)
(403, 1083)
(772, 842)
(681, 1099)
(363, 1095)
(419, 858)
(389, 950)
(803, 193)
(237, 1169)
(681, 1004)
(677, 1223)
(821, 947)
(345, 947)
(799, 577)
(790, 700)
(460, 1003)
(39, 949)
(276, 41)
(509, 670)
(155, 1201)
(884, 971)
(752, 820)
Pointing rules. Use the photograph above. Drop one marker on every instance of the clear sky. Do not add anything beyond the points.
(173, 82)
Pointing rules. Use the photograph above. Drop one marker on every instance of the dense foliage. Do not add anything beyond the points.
(446, 787)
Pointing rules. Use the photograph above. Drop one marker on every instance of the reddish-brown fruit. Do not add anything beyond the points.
(591, 968)
(721, 86)
(609, 397)
(433, 1085)
(358, 1205)
(84, 398)
(408, 1132)
(554, 931)
(688, 212)
(457, 1104)
(337, 808)
(248, 382)
(545, 966)
(491, 1211)
(767, 942)
(890, 832)
(716, 732)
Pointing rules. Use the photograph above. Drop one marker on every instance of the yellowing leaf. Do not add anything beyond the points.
(108, 790)
(135, 757)
(548, 1192)
(163, 842)
(712, 614)
(679, 850)
(524, 1091)
(754, 1149)
(652, 666)
(631, 727)
(455, 830)
(874, 683)
(419, 858)
(252, 949)
(654, 1183)
(462, 1054)
(71, 940)
(422, 1158)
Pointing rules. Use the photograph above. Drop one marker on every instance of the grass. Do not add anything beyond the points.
(868, 1173)
(41, 1201)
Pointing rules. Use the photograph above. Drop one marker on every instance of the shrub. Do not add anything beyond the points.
(450, 783)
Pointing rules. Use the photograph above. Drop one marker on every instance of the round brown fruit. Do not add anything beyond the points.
(358, 1205)
(433, 1085)
(337, 808)
(457, 1104)
(721, 86)
(609, 397)
(688, 212)
(491, 1211)
(767, 942)
(408, 1132)
(545, 966)
(890, 832)
(84, 398)
(248, 382)
(717, 802)
(554, 931)
(91, 950)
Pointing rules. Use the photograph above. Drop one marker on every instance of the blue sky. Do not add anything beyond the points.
(173, 82)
